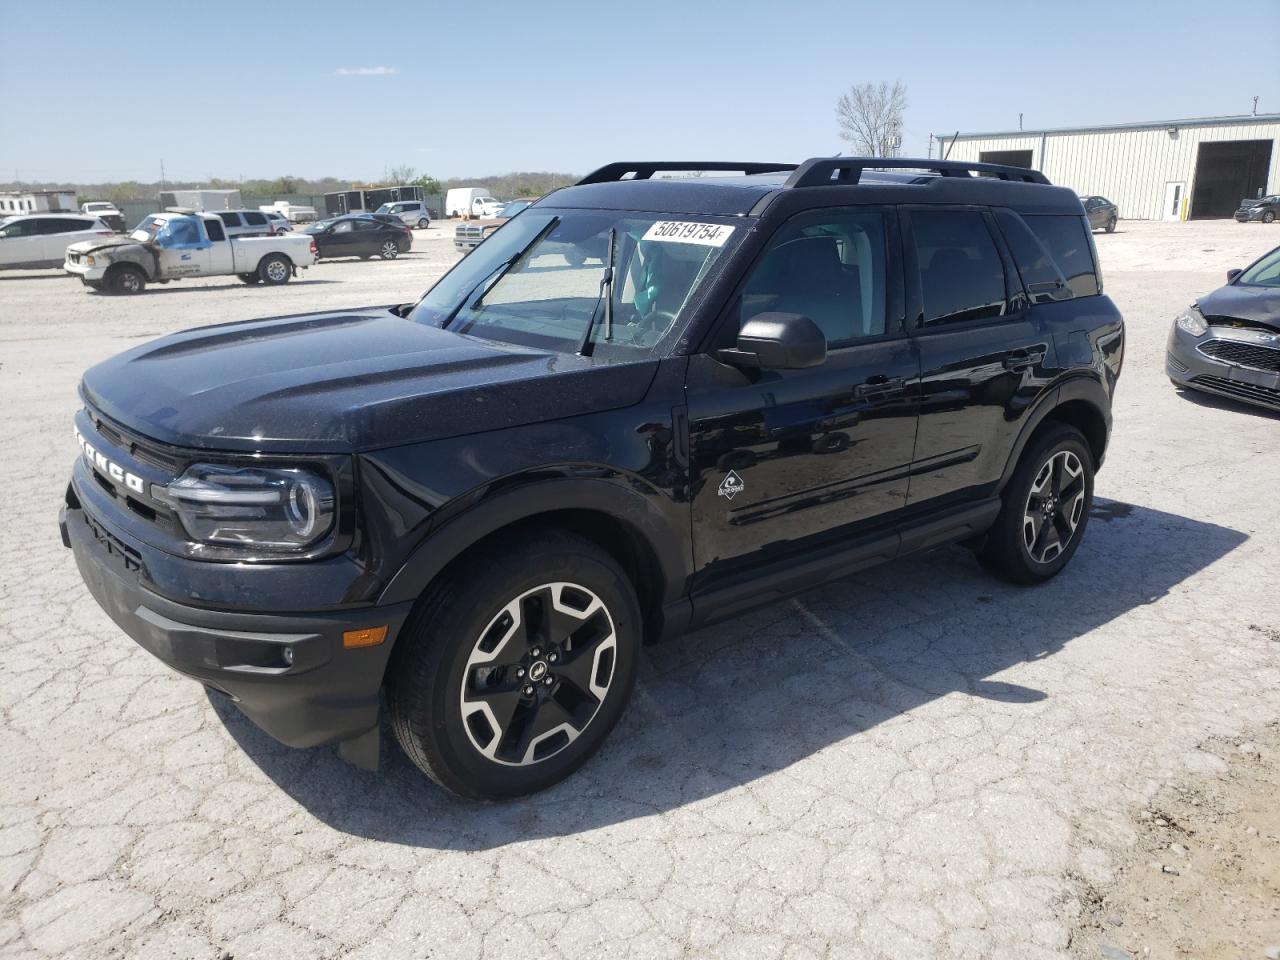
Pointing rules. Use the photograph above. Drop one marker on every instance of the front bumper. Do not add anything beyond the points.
(318, 693)
(83, 271)
(1241, 372)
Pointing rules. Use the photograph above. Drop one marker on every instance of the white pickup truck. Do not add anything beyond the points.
(172, 245)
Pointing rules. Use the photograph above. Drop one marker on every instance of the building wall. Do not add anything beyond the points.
(1128, 167)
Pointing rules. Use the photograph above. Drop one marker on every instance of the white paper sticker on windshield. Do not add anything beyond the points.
(680, 231)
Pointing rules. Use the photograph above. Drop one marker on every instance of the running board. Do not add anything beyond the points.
(784, 577)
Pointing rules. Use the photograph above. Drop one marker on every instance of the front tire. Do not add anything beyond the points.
(389, 250)
(1269, 217)
(126, 279)
(1111, 225)
(1046, 508)
(516, 665)
(275, 269)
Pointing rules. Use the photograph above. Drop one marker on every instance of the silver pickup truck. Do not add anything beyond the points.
(173, 245)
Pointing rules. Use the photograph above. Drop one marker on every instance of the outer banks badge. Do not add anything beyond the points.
(731, 485)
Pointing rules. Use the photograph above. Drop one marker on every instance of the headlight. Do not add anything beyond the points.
(282, 511)
(1192, 321)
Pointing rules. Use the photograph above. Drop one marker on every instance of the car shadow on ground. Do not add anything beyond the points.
(1216, 402)
(731, 703)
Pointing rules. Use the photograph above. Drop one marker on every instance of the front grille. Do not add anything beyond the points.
(147, 451)
(1242, 354)
(1242, 391)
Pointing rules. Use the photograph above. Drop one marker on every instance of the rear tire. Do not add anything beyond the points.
(275, 269)
(126, 279)
(424, 223)
(515, 665)
(249, 277)
(1045, 510)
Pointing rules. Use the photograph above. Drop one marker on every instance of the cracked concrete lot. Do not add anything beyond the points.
(917, 762)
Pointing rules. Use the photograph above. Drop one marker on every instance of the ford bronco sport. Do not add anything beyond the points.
(642, 405)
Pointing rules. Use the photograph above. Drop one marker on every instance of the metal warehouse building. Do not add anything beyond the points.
(1167, 170)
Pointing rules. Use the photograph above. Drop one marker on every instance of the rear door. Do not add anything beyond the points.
(785, 460)
(221, 257)
(984, 360)
(368, 237)
(58, 233)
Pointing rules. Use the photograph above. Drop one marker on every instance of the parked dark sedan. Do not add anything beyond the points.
(1102, 213)
(1263, 210)
(1228, 342)
(360, 236)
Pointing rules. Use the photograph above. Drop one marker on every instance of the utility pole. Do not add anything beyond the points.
(162, 173)
(930, 154)
(1255, 106)
(1019, 121)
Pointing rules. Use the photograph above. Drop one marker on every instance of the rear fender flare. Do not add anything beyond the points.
(1085, 388)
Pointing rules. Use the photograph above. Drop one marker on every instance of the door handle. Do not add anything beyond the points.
(880, 387)
(1022, 359)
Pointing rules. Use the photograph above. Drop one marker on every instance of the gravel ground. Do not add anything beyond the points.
(920, 761)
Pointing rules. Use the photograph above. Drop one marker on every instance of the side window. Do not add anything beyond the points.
(230, 219)
(214, 229)
(19, 228)
(368, 224)
(255, 219)
(344, 226)
(1067, 240)
(1043, 281)
(832, 272)
(961, 273)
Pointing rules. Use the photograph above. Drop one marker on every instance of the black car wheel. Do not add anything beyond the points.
(275, 269)
(126, 279)
(1111, 225)
(516, 665)
(1269, 217)
(424, 223)
(248, 277)
(1045, 509)
(389, 250)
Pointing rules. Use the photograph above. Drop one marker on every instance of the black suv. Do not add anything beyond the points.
(642, 405)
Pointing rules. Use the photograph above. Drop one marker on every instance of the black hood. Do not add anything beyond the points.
(345, 382)
(1244, 302)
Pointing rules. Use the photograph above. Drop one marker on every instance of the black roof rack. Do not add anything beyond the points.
(644, 169)
(844, 171)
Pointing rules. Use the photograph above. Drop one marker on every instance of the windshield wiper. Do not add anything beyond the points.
(497, 273)
(606, 295)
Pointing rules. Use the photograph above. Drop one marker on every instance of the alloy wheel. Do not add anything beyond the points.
(538, 674)
(389, 250)
(1054, 507)
(277, 272)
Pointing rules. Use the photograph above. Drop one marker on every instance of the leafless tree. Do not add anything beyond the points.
(870, 118)
(401, 174)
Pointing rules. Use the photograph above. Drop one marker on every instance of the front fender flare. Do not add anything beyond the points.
(619, 498)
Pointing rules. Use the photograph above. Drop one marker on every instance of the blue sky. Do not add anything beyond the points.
(456, 89)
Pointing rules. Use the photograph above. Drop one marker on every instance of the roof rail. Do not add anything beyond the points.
(644, 169)
(844, 171)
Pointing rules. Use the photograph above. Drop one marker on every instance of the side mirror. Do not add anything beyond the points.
(1232, 274)
(778, 341)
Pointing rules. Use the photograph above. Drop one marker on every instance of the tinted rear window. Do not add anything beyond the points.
(961, 273)
(63, 225)
(230, 219)
(1067, 241)
(255, 219)
(214, 229)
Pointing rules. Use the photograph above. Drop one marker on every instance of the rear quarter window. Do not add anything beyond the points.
(1067, 240)
(255, 219)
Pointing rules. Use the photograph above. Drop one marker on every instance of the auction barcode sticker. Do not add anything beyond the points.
(679, 231)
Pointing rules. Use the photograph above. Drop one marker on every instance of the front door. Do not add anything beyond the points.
(782, 460)
(182, 249)
(21, 243)
(1174, 192)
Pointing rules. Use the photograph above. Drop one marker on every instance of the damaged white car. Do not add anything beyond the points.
(173, 245)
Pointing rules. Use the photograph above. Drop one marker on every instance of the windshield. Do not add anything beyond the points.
(553, 292)
(1264, 273)
(147, 229)
(512, 208)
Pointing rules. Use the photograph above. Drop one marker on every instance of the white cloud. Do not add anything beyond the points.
(365, 71)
